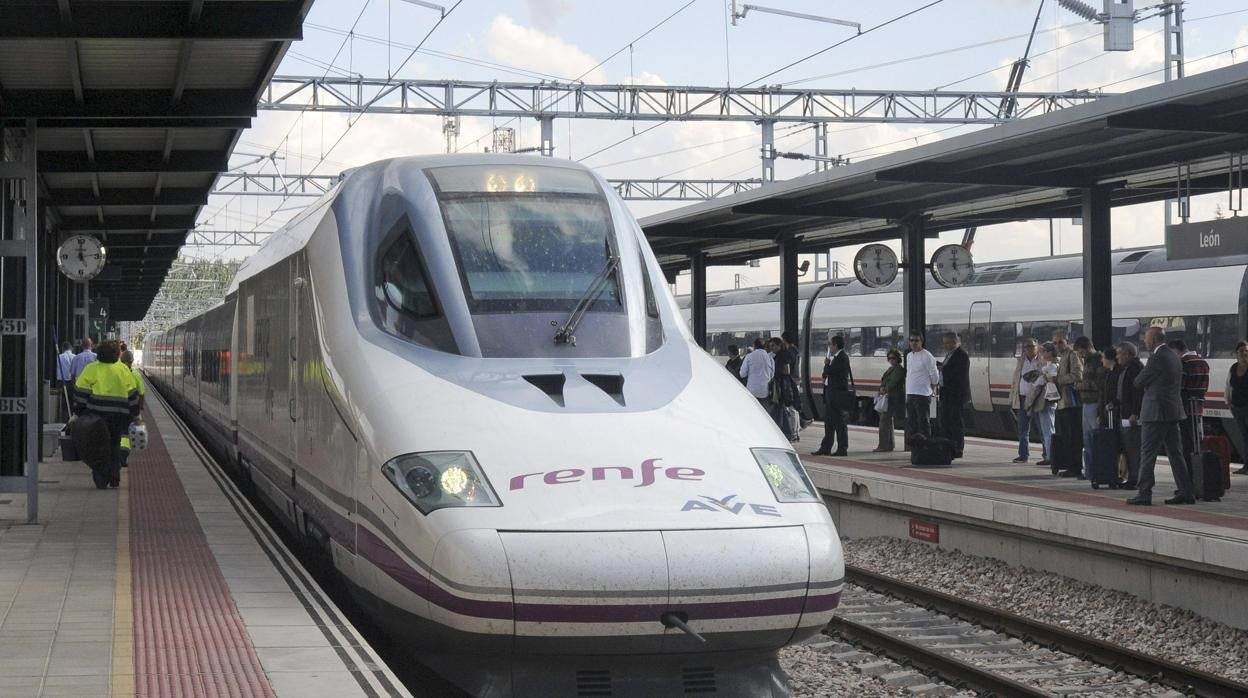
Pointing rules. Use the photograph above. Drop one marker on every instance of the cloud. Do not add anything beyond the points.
(545, 14)
(511, 43)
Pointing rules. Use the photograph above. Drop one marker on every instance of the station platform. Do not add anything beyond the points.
(1190, 556)
(171, 585)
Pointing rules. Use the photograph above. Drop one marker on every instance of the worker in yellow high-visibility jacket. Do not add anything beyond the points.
(127, 358)
(107, 387)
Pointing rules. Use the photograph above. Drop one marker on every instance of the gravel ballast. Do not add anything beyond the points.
(1113, 616)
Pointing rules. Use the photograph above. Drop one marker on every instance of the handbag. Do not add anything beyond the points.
(881, 403)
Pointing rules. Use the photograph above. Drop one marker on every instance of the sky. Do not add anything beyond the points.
(947, 44)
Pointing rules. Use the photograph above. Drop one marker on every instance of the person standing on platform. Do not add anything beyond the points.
(757, 369)
(64, 364)
(836, 394)
(1025, 373)
(955, 391)
(1195, 387)
(127, 358)
(1129, 406)
(81, 359)
(1044, 398)
(1162, 413)
(1069, 420)
(734, 362)
(1088, 386)
(793, 357)
(106, 387)
(1237, 396)
(922, 377)
(893, 386)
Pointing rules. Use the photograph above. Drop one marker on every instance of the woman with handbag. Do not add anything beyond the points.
(1043, 403)
(890, 403)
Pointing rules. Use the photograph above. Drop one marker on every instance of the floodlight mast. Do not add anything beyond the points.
(799, 15)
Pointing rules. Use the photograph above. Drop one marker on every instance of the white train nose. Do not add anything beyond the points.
(584, 592)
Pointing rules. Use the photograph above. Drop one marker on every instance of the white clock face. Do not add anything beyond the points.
(876, 266)
(80, 257)
(952, 265)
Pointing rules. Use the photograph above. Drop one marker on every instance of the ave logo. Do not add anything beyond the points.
(726, 505)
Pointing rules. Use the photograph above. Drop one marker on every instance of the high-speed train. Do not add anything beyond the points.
(1204, 302)
(465, 379)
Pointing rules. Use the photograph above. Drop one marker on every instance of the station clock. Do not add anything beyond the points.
(952, 265)
(80, 257)
(876, 266)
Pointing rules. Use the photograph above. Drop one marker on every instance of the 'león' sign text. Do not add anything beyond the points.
(1216, 238)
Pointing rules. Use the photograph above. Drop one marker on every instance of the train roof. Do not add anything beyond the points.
(1126, 261)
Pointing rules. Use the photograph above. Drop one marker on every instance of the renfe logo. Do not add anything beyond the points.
(727, 505)
(648, 470)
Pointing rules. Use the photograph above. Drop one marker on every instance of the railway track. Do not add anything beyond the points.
(996, 652)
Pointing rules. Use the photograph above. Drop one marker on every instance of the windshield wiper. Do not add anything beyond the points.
(596, 287)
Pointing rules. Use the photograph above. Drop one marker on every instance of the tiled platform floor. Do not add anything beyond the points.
(92, 605)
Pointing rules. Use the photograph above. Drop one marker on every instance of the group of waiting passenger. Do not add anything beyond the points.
(769, 371)
(1073, 390)
(106, 384)
(1064, 388)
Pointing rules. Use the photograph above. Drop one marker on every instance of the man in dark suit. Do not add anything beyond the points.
(836, 391)
(955, 391)
(1161, 412)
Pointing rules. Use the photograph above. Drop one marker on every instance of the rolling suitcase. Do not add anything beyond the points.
(1104, 450)
(934, 450)
(1206, 468)
(1222, 446)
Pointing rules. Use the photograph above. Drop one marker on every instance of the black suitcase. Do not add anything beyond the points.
(935, 450)
(1104, 450)
(1206, 467)
(1066, 448)
(1207, 476)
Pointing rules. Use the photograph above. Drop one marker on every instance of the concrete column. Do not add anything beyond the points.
(788, 285)
(914, 275)
(697, 297)
(1098, 290)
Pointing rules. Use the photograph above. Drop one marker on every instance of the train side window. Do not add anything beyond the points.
(1223, 336)
(403, 278)
(405, 302)
(853, 341)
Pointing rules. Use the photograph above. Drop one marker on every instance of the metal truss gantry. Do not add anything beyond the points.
(764, 105)
(555, 100)
(312, 185)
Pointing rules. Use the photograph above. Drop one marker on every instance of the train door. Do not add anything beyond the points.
(979, 346)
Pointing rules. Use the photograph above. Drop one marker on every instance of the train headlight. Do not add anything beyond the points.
(785, 475)
(439, 479)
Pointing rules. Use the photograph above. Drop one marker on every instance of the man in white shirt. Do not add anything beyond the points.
(922, 376)
(757, 369)
(81, 360)
(63, 362)
(1020, 394)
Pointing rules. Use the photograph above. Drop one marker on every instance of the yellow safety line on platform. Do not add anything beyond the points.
(123, 603)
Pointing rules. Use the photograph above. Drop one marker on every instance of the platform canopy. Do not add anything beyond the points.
(138, 106)
(1128, 145)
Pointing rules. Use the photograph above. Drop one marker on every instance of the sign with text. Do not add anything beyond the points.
(925, 531)
(12, 405)
(12, 326)
(1216, 238)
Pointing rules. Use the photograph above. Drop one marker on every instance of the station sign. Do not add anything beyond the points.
(12, 405)
(925, 531)
(1216, 238)
(12, 326)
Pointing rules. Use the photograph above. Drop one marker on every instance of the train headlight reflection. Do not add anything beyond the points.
(785, 475)
(439, 479)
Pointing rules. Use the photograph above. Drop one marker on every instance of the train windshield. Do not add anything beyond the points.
(528, 239)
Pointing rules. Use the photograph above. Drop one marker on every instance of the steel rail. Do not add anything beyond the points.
(959, 673)
(1195, 681)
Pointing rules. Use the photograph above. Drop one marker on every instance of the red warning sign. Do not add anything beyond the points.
(925, 531)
